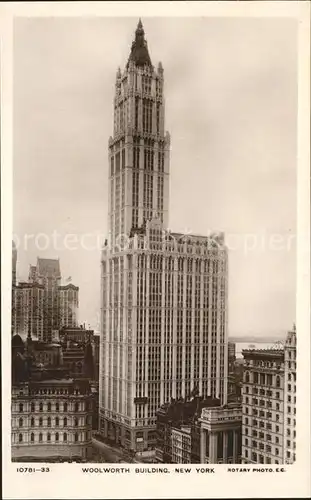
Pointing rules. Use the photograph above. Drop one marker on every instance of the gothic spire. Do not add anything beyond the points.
(139, 51)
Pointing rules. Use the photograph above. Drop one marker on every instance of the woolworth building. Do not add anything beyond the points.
(164, 294)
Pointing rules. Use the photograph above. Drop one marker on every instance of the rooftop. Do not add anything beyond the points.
(48, 267)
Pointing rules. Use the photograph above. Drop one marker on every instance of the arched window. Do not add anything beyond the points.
(57, 407)
(32, 422)
(246, 377)
(56, 436)
(65, 407)
(76, 437)
(278, 381)
(49, 436)
(49, 406)
(65, 422)
(40, 422)
(20, 422)
(65, 436)
(49, 421)
(20, 438)
(57, 421)
(33, 407)
(21, 407)
(32, 437)
(40, 437)
(41, 407)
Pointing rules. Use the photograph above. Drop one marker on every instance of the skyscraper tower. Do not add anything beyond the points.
(164, 294)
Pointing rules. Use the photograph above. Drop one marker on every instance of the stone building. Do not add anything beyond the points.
(179, 430)
(51, 412)
(289, 443)
(221, 434)
(164, 294)
(263, 406)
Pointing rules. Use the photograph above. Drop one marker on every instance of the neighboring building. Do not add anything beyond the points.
(47, 273)
(263, 406)
(178, 426)
(14, 263)
(51, 413)
(221, 434)
(290, 397)
(231, 357)
(181, 445)
(28, 310)
(47, 354)
(164, 295)
(77, 334)
(68, 305)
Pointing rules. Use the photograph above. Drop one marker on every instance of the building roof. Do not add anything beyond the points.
(139, 50)
(263, 353)
(48, 267)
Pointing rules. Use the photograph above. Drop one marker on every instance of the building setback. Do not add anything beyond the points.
(164, 295)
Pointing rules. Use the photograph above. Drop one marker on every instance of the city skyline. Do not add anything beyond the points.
(268, 304)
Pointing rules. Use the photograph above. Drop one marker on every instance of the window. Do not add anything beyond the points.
(277, 395)
(56, 421)
(76, 407)
(57, 407)
(277, 429)
(246, 442)
(65, 422)
(288, 421)
(76, 437)
(277, 416)
(49, 406)
(32, 407)
(21, 407)
(268, 460)
(65, 407)
(49, 436)
(40, 422)
(276, 451)
(56, 436)
(65, 436)
(246, 453)
(32, 422)
(32, 437)
(269, 437)
(40, 437)
(20, 422)
(254, 457)
(288, 444)
(277, 406)
(49, 422)
(76, 422)
(41, 407)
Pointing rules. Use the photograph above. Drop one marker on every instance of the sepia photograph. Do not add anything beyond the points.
(155, 244)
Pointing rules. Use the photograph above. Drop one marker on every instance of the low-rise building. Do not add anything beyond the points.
(221, 428)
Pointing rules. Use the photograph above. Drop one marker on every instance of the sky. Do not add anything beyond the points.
(231, 106)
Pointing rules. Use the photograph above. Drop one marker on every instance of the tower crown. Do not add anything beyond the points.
(139, 51)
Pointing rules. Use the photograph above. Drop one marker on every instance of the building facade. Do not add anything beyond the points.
(164, 294)
(221, 434)
(51, 419)
(289, 443)
(28, 310)
(47, 273)
(68, 305)
(263, 406)
(178, 431)
(51, 413)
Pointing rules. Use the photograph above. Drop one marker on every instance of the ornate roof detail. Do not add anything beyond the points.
(139, 50)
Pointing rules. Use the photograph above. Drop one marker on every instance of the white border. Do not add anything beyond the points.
(67, 480)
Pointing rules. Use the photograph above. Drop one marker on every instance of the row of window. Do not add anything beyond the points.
(40, 407)
(41, 437)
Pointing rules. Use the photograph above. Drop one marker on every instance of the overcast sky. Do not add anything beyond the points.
(231, 104)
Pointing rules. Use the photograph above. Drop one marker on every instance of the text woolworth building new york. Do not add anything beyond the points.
(164, 295)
